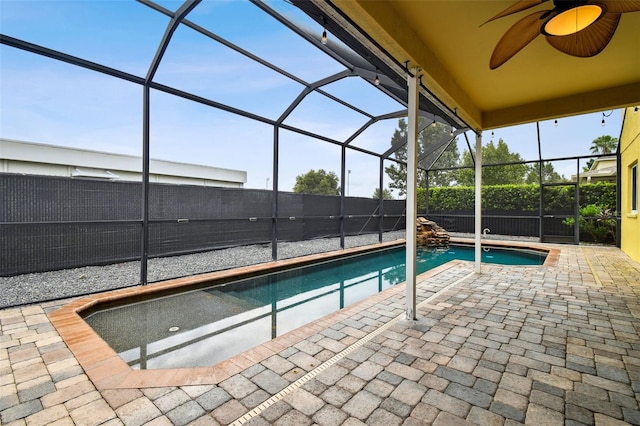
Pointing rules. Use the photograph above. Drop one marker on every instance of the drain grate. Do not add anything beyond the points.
(337, 357)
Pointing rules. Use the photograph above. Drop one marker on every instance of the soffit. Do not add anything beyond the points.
(447, 40)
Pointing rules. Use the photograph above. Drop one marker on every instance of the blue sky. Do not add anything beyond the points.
(46, 101)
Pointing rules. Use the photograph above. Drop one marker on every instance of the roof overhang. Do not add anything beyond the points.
(447, 41)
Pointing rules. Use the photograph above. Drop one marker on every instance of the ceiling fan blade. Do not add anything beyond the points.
(515, 8)
(590, 41)
(516, 37)
(622, 6)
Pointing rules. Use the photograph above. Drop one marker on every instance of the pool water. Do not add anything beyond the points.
(206, 326)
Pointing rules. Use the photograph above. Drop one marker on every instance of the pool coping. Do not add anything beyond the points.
(107, 370)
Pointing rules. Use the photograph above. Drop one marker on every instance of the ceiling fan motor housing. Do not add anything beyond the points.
(571, 16)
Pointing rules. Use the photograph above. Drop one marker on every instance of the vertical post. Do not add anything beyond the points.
(618, 192)
(426, 192)
(144, 244)
(173, 24)
(576, 206)
(412, 210)
(274, 195)
(540, 183)
(478, 197)
(343, 161)
(381, 201)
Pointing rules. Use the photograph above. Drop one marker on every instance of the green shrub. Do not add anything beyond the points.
(516, 198)
(596, 221)
(603, 194)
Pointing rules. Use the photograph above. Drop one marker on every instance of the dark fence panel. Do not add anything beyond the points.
(321, 216)
(172, 238)
(362, 215)
(60, 199)
(172, 202)
(49, 223)
(290, 212)
(501, 224)
(37, 247)
(555, 231)
(394, 215)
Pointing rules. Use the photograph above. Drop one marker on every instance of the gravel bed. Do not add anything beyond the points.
(39, 287)
(54, 285)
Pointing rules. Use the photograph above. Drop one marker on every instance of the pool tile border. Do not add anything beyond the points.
(107, 370)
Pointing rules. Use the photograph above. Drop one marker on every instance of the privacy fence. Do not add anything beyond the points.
(548, 212)
(49, 223)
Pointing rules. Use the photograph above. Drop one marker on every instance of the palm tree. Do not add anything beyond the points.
(604, 145)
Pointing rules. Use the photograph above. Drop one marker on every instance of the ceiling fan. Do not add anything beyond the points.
(580, 28)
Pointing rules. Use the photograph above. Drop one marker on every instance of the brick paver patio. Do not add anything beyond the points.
(547, 345)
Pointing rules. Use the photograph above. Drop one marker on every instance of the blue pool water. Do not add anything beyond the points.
(205, 326)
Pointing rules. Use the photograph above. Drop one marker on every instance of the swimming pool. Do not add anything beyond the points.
(205, 326)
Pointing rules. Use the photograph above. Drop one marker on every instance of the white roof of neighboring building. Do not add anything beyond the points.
(605, 171)
(603, 167)
(112, 163)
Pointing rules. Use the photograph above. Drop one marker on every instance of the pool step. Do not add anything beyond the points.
(256, 302)
(235, 300)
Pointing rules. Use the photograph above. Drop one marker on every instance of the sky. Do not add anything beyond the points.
(50, 102)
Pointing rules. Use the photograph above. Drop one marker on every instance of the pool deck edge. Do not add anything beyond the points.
(108, 371)
(485, 348)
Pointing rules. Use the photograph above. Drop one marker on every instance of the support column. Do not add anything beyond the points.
(144, 236)
(274, 193)
(412, 204)
(478, 197)
(541, 185)
(343, 187)
(381, 201)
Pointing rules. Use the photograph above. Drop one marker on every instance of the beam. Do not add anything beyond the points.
(582, 103)
(478, 215)
(412, 204)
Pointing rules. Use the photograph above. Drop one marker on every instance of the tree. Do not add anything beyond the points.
(604, 145)
(497, 175)
(549, 175)
(320, 182)
(587, 166)
(430, 136)
(386, 194)
(449, 158)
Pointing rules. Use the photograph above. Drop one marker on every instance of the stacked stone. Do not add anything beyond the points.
(431, 234)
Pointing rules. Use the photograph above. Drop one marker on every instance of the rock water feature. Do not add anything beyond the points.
(430, 234)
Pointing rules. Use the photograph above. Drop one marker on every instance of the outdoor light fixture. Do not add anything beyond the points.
(577, 17)
(323, 39)
(434, 124)
(376, 81)
(635, 109)
(451, 132)
(604, 116)
(555, 123)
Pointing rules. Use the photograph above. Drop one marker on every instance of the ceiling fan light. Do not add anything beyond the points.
(572, 20)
